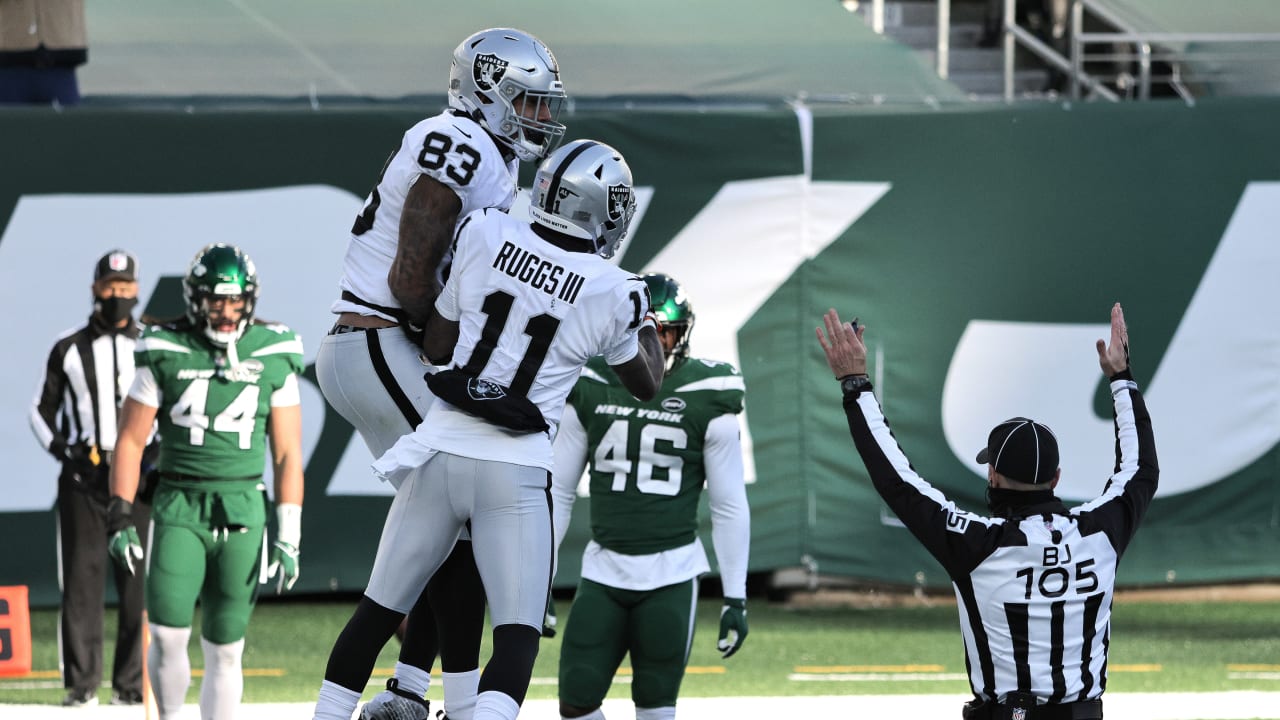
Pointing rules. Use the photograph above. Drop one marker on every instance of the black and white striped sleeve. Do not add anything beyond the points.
(48, 404)
(958, 539)
(1122, 505)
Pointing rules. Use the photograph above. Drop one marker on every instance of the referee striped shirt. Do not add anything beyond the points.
(86, 378)
(1034, 589)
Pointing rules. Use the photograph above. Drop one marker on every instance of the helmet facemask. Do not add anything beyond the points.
(508, 82)
(220, 271)
(531, 125)
(674, 313)
(679, 351)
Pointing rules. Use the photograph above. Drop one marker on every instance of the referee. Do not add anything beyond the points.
(88, 373)
(1034, 581)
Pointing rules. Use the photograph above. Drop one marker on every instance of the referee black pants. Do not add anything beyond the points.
(82, 570)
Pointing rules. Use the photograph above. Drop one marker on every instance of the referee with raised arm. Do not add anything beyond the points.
(1035, 580)
(88, 372)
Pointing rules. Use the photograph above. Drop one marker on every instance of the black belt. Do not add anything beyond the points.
(1083, 710)
(340, 329)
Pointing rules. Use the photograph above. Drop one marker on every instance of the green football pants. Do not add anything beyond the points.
(206, 545)
(606, 623)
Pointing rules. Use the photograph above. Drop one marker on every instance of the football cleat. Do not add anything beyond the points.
(395, 704)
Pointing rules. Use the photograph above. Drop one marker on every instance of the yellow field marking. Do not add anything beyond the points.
(1136, 668)
(1252, 668)
(868, 668)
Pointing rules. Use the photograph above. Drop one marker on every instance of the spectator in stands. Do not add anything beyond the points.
(42, 42)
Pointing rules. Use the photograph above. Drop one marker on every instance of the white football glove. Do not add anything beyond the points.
(284, 566)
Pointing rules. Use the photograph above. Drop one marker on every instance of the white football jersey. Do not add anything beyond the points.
(530, 316)
(449, 148)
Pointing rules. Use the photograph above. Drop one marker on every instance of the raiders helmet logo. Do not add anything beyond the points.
(619, 201)
(487, 70)
(484, 390)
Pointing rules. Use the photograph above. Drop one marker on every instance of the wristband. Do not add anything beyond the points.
(289, 523)
(119, 514)
(651, 320)
(855, 384)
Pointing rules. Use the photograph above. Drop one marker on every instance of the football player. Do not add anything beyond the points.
(648, 462)
(504, 96)
(221, 384)
(525, 306)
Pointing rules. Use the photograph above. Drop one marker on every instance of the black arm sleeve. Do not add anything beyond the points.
(959, 540)
(1128, 493)
(48, 404)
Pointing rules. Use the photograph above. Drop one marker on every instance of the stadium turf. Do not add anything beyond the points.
(1155, 647)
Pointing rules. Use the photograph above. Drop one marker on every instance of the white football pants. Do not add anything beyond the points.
(374, 379)
(509, 507)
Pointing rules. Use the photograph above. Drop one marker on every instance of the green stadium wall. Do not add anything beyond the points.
(982, 248)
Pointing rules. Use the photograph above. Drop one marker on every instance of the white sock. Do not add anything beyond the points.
(223, 684)
(169, 668)
(658, 713)
(494, 705)
(413, 679)
(460, 694)
(597, 714)
(336, 702)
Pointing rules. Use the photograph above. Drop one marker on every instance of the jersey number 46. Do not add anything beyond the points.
(611, 457)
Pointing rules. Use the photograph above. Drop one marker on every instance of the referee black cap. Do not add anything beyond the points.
(1022, 449)
(116, 265)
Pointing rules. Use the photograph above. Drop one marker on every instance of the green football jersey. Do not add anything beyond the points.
(213, 420)
(645, 458)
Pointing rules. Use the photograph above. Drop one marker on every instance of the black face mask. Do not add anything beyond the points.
(996, 499)
(114, 309)
(1003, 502)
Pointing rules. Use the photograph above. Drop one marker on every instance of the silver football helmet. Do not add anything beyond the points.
(508, 81)
(584, 190)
